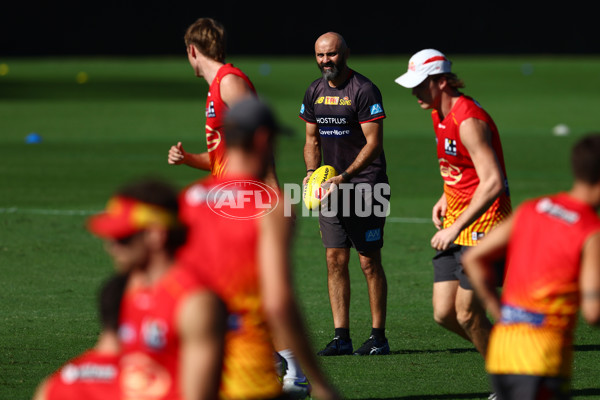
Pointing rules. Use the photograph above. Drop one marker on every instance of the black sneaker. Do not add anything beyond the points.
(373, 347)
(337, 347)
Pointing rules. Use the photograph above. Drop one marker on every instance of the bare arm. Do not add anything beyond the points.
(177, 156)
(40, 391)
(439, 211)
(201, 323)
(280, 307)
(373, 132)
(312, 149)
(478, 263)
(589, 280)
(477, 138)
(233, 88)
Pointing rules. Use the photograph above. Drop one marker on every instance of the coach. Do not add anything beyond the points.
(344, 115)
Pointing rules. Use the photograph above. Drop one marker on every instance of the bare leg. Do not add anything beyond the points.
(338, 283)
(444, 307)
(376, 285)
(471, 316)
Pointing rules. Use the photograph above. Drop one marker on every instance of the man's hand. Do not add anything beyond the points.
(176, 154)
(444, 238)
(308, 174)
(439, 212)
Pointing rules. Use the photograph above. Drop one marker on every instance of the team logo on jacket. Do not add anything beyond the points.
(450, 146)
(213, 138)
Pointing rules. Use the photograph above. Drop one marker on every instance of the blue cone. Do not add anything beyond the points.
(33, 138)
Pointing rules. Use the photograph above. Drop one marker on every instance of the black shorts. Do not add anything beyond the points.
(530, 387)
(447, 266)
(356, 221)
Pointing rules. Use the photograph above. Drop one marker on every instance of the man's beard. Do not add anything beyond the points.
(335, 70)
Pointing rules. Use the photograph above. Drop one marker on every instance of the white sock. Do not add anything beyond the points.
(294, 370)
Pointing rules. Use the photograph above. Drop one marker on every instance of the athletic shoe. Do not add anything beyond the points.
(296, 389)
(337, 347)
(492, 396)
(373, 347)
(280, 366)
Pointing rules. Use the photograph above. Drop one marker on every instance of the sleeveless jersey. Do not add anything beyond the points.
(339, 113)
(215, 113)
(223, 215)
(458, 171)
(148, 331)
(540, 299)
(92, 375)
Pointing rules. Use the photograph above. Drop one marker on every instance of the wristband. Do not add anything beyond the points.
(346, 176)
(310, 170)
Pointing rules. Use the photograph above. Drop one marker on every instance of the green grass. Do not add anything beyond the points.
(120, 124)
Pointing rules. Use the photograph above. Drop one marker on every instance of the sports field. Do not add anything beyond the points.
(116, 122)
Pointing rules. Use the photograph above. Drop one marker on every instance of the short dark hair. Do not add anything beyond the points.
(585, 159)
(158, 192)
(109, 299)
(209, 37)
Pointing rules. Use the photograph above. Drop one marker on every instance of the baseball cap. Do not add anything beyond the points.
(247, 115)
(421, 65)
(125, 216)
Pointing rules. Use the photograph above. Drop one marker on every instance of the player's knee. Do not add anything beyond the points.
(371, 268)
(444, 316)
(466, 319)
(336, 264)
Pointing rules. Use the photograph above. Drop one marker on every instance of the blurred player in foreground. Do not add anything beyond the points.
(475, 197)
(205, 40)
(94, 374)
(343, 111)
(552, 250)
(240, 240)
(171, 327)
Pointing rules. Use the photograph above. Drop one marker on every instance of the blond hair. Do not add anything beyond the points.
(208, 36)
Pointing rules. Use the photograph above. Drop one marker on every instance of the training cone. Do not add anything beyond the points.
(33, 138)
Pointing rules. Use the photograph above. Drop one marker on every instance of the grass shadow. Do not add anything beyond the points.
(453, 351)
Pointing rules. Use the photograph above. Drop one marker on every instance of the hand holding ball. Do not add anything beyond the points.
(313, 191)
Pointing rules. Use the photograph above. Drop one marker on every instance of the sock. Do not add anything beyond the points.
(343, 333)
(378, 333)
(294, 371)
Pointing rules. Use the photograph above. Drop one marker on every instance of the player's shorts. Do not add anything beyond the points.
(358, 220)
(447, 266)
(531, 387)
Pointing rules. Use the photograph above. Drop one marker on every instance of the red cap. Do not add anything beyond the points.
(125, 216)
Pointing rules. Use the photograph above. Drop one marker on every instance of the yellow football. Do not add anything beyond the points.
(313, 192)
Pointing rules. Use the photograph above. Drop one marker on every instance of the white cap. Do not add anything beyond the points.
(421, 65)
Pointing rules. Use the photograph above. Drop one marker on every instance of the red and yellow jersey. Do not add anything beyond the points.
(458, 171)
(92, 375)
(540, 299)
(215, 113)
(223, 215)
(151, 343)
